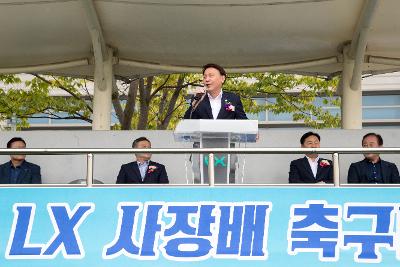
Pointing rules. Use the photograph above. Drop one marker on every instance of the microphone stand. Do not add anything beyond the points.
(194, 107)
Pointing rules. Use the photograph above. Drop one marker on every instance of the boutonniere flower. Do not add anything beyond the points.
(324, 163)
(151, 169)
(228, 106)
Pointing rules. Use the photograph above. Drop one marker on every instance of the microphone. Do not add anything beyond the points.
(198, 96)
(197, 99)
(198, 92)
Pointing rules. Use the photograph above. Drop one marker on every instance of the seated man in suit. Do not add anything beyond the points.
(372, 169)
(143, 170)
(211, 102)
(311, 168)
(18, 170)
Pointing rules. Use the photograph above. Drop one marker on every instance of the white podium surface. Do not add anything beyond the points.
(244, 131)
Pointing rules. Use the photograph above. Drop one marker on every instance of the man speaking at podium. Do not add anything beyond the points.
(211, 102)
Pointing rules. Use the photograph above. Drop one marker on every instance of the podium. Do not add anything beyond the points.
(216, 134)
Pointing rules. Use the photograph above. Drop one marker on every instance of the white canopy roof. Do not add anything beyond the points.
(156, 36)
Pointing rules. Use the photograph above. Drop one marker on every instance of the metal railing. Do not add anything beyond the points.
(90, 152)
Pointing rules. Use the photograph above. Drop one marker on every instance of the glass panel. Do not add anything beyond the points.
(280, 117)
(39, 120)
(381, 113)
(261, 116)
(333, 111)
(68, 121)
(319, 101)
(381, 100)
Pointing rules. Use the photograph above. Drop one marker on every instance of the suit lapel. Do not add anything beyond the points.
(222, 109)
(207, 107)
(136, 171)
(308, 167)
(363, 171)
(319, 168)
(148, 174)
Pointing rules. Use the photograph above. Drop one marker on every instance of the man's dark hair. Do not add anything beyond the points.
(15, 139)
(140, 139)
(215, 66)
(308, 134)
(378, 136)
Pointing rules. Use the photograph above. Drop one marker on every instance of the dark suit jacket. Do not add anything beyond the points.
(203, 111)
(300, 172)
(358, 173)
(29, 174)
(130, 174)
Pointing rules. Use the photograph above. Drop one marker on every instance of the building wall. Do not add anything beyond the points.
(265, 169)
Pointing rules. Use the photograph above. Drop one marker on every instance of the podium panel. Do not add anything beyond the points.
(216, 134)
(224, 164)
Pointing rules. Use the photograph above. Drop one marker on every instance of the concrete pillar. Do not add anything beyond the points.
(351, 96)
(103, 77)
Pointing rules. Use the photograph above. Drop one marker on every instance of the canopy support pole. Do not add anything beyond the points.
(353, 60)
(103, 69)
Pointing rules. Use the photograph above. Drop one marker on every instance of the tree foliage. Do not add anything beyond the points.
(154, 102)
(159, 102)
(293, 94)
(32, 99)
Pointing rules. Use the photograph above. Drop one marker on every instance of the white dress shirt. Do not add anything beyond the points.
(143, 168)
(215, 104)
(313, 165)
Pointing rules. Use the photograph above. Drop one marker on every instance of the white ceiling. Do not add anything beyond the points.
(190, 33)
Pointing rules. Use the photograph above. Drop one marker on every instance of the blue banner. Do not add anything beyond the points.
(199, 226)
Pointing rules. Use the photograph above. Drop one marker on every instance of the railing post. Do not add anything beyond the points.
(211, 173)
(89, 170)
(336, 170)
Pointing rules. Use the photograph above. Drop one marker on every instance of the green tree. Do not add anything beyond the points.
(293, 94)
(159, 102)
(32, 98)
(154, 102)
